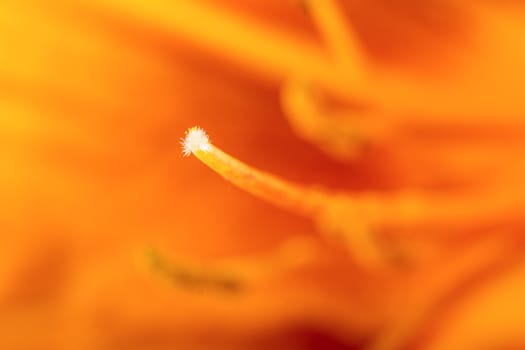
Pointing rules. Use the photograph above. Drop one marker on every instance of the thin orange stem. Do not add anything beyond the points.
(338, 36)
(263, 185)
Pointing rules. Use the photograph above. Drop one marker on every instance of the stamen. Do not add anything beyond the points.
(339, 37)
(234, 274)
(356, 220)
(341, 133)
(196, 139)
(193, 278)
(263, 185)
(328, 211)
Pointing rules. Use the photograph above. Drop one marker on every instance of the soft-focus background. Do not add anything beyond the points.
(112, 240)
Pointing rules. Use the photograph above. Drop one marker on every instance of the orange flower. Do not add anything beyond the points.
(382, 142)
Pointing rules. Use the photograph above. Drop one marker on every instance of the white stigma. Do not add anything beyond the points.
(196, 139)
